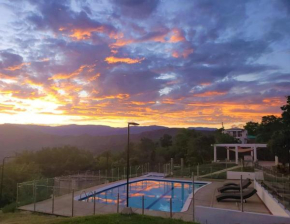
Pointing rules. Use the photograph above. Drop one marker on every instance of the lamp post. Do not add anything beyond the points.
(2, 175)
(128, 157)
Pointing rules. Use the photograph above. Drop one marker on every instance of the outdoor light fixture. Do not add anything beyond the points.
(128, 158)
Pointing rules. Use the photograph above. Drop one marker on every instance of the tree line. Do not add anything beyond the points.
(275, 131)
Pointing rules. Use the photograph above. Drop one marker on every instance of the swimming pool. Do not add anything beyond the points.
(157, 194)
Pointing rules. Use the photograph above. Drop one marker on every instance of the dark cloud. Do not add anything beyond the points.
(136, 9)
(8, 59)
(58, 16)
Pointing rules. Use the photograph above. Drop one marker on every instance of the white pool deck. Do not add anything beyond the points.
(207, 209)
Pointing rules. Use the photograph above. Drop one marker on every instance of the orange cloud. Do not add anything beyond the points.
(210, 93)
(118, 96)
(94, 77)
(113, 59)
(183, 54)
(16, 67)
(73, 74)
(274, 101)
(86, 33)
(177, 36)
(122, 42)
(33, 82)
(175, 54)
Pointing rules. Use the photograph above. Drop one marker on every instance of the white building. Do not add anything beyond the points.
(238, 133)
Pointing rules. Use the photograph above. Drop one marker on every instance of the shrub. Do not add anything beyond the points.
(9, 208)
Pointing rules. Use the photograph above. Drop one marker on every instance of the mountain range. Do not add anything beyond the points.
(96, 138)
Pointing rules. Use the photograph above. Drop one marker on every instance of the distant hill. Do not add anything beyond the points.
(94, 130)
(203, 129)
(16, 138)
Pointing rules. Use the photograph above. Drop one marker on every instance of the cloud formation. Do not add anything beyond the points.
(175, 63)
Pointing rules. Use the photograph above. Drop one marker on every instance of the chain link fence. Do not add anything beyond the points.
(61, 195)
(277, 184)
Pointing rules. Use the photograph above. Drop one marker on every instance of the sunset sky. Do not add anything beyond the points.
(178, 63)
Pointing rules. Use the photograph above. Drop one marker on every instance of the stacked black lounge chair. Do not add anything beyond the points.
(235, 184)
(237, 195)
(235, 187)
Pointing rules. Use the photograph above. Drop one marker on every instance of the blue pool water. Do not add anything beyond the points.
(157, 194)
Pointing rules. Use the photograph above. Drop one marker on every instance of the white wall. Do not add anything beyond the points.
(272, 204)
(232, 175)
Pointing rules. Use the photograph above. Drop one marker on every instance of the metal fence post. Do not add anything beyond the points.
(241, 190)
(94, 202)
(17, 196)
(118, 198)
(171, 166)
(136, 170)
(52, 201)
(72, 203)
(47, 187)
(142, 204)
(34, 196)
(165, 169)
(181, 166)
(193, 205)
(284, 191)
(170, 207)
(118, 173)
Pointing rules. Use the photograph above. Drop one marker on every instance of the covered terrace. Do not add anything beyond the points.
(239, 148)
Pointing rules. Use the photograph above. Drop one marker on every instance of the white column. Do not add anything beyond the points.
(252, 153)
(214, 153)
(237, 155)
(255, 153)
(228, 154)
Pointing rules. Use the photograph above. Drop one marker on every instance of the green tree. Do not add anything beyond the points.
(200, 149)
(16, 172)
(59, 161)
(180, 146)
(268, 126)
(286, 114)
(221, 137)
(252, 127)
(166, 141)
(147, 150)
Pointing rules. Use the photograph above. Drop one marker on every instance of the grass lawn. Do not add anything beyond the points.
(29, 218)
